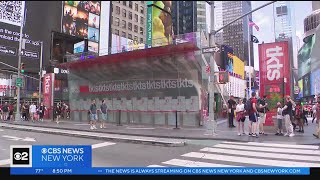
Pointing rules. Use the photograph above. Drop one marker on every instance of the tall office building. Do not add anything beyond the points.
(236, 35)
(190, 16)
(315, 5)
(284, 30)
(218, 21)
(129, 19)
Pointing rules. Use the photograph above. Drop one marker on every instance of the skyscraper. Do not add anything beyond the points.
(285, 30)
(218, 21)
(129, 19)
(190, 16)
(236, 35)
(315, 5)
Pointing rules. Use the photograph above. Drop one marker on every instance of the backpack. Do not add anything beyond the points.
(248, 105)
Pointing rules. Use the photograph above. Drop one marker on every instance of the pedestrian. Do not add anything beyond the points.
(314, 112)
(104, 114)
(41, 111)
(11, 111)
(262, 104)
(251, 109)
(231, 108)
(33, 111)
(5, 111)
(58, 111)
(299, 117)
(279, 119)
(24, 112)
(287, 113)
(317, 134)
(240, 117)
(93, 115)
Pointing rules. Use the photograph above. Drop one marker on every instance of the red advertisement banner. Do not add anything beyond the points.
(47, 87)
(274, 74)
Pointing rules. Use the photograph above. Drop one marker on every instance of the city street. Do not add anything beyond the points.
(197, 153)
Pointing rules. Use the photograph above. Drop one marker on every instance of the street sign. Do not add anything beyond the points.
(19, 82)
(210, 49)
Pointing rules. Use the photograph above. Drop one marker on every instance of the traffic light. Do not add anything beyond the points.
(223, 77)
(22, 68)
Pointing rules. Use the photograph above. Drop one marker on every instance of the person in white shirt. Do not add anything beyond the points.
(314, 111)
(33, 111)
(279, 120)
(240, 117)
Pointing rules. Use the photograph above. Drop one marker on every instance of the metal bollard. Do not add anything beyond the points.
(119, 120)
(176, 121)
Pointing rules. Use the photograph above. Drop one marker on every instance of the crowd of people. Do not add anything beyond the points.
(32, 111)
(293, 114)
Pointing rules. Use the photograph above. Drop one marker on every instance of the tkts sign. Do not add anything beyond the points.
(47, 87)
(274, 73)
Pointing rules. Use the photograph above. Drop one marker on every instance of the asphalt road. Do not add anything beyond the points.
(105, 154)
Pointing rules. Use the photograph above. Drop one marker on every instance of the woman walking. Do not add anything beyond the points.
(240, 117)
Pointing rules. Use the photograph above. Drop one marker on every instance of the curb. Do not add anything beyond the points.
(133, 134)
(160, 142)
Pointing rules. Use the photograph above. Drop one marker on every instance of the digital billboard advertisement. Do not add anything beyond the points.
(82, 19)
(159, 23)
(274, 76)
(36, 29)
(304, 60)
(306, 85)
(238, 66)
(315, 82)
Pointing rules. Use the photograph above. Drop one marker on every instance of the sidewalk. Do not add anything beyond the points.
(223, 132)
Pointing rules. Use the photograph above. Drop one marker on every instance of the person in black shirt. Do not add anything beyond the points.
(287, 113)
(231, 107)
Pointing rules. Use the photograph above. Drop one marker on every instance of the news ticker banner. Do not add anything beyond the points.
(77, 160)
(162, 171)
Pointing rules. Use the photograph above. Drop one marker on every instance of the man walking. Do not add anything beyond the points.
(93, 115)
(231, 108)
(5, 111)
(262, 113)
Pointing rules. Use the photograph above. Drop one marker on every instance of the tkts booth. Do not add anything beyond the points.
(156, 86)
(274, 75)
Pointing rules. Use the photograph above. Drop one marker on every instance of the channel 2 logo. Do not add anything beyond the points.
(21, 156)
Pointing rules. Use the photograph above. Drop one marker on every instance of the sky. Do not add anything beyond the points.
(264, 19)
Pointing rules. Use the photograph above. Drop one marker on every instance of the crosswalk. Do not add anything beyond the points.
(248, 154)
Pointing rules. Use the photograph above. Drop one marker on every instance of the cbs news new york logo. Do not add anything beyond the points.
(21, 155)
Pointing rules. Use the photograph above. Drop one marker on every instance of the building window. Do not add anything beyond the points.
(117, 21)
(111, 7)
(130, 4)
(117, 10)
(136, 7)
(111, 19)
(130, 26)
(141, 40)
(129, 36)
(123, 34)
(135, 17)
(124, 13)
(135, 38)
(141, 30)
(135, 28)
(130, 15)
(141, 20)
(116, 32)
(142, 2)
(124, 3)
(123, 24)
(141, 10)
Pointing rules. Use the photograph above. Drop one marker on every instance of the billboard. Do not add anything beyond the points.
(274, 60)
(82, 19)
(48, 89)
(79, 47)
(306, 85)
(226, 61)
(159, 23)
(304, 60)
(238, 66)
(300, 85)
(315, 82)
(122, 44)
(104, 28)
(39, 22)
